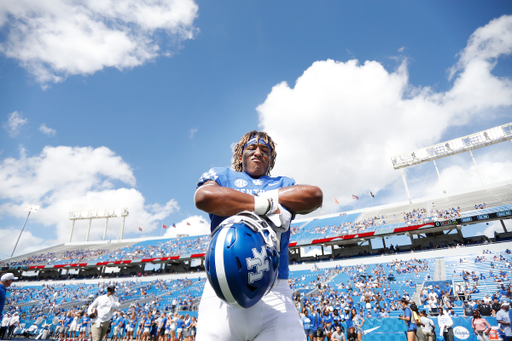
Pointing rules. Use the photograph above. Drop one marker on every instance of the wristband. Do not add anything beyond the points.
(261, 205)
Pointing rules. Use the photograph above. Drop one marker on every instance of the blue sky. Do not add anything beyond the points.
(108, 105)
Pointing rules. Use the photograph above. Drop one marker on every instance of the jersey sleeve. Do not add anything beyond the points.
(217, 174)
(287, 182)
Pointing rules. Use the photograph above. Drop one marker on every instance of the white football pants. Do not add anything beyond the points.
(273, 318)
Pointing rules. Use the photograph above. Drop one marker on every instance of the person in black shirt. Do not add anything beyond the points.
(496, 306)
(351, 334)
(484, 308)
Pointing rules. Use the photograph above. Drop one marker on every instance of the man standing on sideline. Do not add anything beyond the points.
(503, 318)
(5, 282)
(101, 311)
(224, 192)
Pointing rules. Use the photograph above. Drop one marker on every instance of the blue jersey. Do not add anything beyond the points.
(86, 320)
(244, 183)
(67, 321)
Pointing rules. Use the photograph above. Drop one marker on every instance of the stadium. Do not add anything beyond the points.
(181, 170)
(354, 267)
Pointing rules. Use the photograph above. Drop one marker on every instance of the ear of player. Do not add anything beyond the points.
(242, 259)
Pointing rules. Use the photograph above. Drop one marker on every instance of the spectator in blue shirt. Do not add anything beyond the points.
(308, 325)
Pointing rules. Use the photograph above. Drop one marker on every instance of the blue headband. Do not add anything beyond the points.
(260, 141)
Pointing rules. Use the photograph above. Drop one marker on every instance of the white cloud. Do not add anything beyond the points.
(28, 242)
(192, 132)
(341, 123)
(311, 251)
(495, 226)
(64, 179)
(486, 44)
(465, 176)
(48, 131)
(14, 123)
(53, 39)
(198, 226)
(401, 49)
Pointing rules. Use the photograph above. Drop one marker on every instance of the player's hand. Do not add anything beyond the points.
(281, 220)
(273, 201)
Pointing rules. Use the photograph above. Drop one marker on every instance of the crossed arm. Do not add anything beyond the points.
(225, 202)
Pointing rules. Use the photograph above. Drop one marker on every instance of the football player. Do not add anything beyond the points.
(224, 192)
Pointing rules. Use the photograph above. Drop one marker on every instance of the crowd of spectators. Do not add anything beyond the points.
(364, 291)
(416, 216)
(44, 258)
(451, 213)
(184, 244)
(81, 255)
(167, 248)
(49, 258)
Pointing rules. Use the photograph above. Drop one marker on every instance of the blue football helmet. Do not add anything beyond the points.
(242, 259)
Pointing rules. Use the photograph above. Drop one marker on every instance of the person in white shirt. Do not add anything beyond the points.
(338, 335)
(102, 309)
(428, 326)
(445, 325)
(13, 323)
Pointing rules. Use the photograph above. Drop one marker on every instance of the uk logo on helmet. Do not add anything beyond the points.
(260, 262)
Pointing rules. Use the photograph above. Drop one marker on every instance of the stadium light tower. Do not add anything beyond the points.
(98, 214)
(29, 208)
(459, 145)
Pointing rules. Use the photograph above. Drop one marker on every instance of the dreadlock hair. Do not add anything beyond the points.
(239, 149)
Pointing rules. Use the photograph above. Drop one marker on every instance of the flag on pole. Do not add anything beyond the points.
(140, 229)
(164, 226)
(188, 223)
(373, 196)
(174, 225)
(354, 197)
(336, 201)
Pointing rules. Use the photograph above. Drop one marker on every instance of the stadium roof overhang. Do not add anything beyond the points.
(459, 145)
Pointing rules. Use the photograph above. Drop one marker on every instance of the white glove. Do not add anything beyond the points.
(281, 220)
(266, 203)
